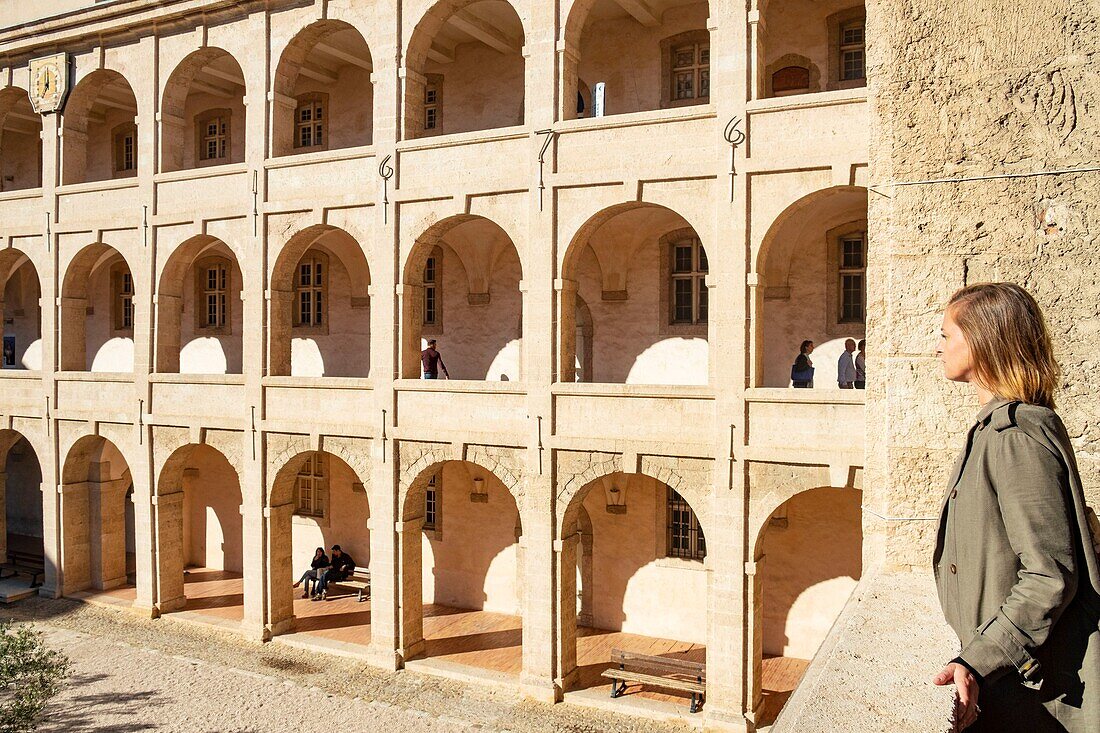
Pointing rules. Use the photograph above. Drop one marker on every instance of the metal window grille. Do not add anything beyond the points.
(214, 291)
(689, 288)
(310, 289)
(215, 138)
(685, 536)
(311, 487)
(853, 278)
(691, 71)
(431, 292)
(309, 120)
(852, 51)
(431, 503)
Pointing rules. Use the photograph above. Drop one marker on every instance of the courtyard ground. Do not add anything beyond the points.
(134, 674)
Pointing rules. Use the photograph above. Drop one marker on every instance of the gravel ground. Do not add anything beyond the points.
(134, 674)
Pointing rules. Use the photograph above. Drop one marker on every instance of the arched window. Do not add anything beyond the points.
(311, 122)
(212, 303)
(791, 79)
(213, 142)
(685, 535)
(310, 286)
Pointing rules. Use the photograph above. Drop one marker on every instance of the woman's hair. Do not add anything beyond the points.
(862, 345)
(320, 550)
(805, 345)
(1009, 341)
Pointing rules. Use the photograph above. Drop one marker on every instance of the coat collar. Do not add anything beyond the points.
(986, 413)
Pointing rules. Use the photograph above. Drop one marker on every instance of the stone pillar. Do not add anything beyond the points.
(566, 329)
(384, 592)
(411, 317)
(253, 529)
(144, 548)
(168, 332)
(168, 509)
(540, 644)
(410, 572)
(4, 516)
(75, 538)
(279, 305)
(107, 529)
(755, 645)
(73, 316)
(569, 61)
(280, 594)
(565, 564)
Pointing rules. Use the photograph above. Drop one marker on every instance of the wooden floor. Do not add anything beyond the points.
(779, 678)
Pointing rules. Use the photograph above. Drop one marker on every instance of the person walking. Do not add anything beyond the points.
(802, 371)
(846, 367)
(1015, 562)
(317, 565)
(861, 365)
(432, 362)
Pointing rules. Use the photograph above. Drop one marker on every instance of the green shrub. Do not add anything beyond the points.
(30, 674)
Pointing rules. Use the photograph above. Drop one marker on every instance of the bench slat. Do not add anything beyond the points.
(666, 682)
(661, 664)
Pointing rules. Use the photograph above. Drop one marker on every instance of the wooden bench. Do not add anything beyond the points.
(24, 563)
(358, 580)
(670, 674)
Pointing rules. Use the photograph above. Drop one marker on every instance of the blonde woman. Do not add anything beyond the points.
(1015, 565)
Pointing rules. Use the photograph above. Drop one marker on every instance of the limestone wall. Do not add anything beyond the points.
(23, 491)
(212, 514)
(482, 89)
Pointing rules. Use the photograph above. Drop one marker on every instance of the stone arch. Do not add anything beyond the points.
(100, 104)
(424, 461)
(183, 487)
(342, 69)
(20, 303)
(174, 319)
(207, 79)
(21, 496)
(505, 35)
(90, 300)
(342, 344)
(792, 59)
(620, 263)
(95, 483)
(20, 141)
(792, 303)
(491, 268)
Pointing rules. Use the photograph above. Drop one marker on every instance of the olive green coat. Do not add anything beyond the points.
(1017, 573)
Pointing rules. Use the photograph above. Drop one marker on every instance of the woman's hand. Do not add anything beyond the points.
(966, 688)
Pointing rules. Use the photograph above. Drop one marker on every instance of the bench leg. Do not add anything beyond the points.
(696, 702)
(618, 688)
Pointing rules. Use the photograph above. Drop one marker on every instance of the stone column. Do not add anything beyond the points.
(384, 596)
(167, 332)
(168, 509)
(4, 516)
(280, 594)
(107, 530)
(755, 644)
(253, 529)
(566, 329)
(75, 538)
(411, 317)
(565, 565)
(410, 588)
(279, 305)
(73, 316)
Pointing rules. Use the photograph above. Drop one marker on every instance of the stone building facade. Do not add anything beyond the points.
(224, 252)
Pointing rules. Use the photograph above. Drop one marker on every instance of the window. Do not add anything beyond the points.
(852, 270)
(212, 282)
(431, 503)
(691, 71)
(688, 287)
(311, 121)
(123, 286)
(125, 142)
(311, 487)
(852, 47)
(213, 139)
(309, 288)
(433, 97)
(431, 288)
(685, 536)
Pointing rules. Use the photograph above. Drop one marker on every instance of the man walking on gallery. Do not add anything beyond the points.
(432, 362)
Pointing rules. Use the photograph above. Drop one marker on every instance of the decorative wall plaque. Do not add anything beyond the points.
(49, 83)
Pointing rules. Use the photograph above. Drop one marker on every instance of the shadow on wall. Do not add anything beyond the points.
(676, 360)
(812, 559)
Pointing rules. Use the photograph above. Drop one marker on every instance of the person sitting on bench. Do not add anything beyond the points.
(342, 567)
(320, 562)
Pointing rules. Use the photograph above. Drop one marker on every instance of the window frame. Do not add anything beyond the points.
(837, 23)
(122, 301)
(315, 256)
(700, 39)
(835, 325)
(670, 325)
(432, 82)
(692, 534)
(435, 287)
(314, 472)
(119, 134)
(314, 100)
(225, 116)
(202, 292)
(846, 271)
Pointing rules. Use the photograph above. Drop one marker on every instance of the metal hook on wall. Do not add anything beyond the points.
(385, 170)
(735, 137)
(549, 135)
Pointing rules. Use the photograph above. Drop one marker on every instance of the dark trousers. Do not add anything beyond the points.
(329, 576)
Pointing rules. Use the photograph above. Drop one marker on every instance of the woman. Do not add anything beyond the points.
(802, 371)
(861, 365)
(320, 562)
(1015, 566)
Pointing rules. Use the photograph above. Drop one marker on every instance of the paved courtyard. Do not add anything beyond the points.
(133, 674)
